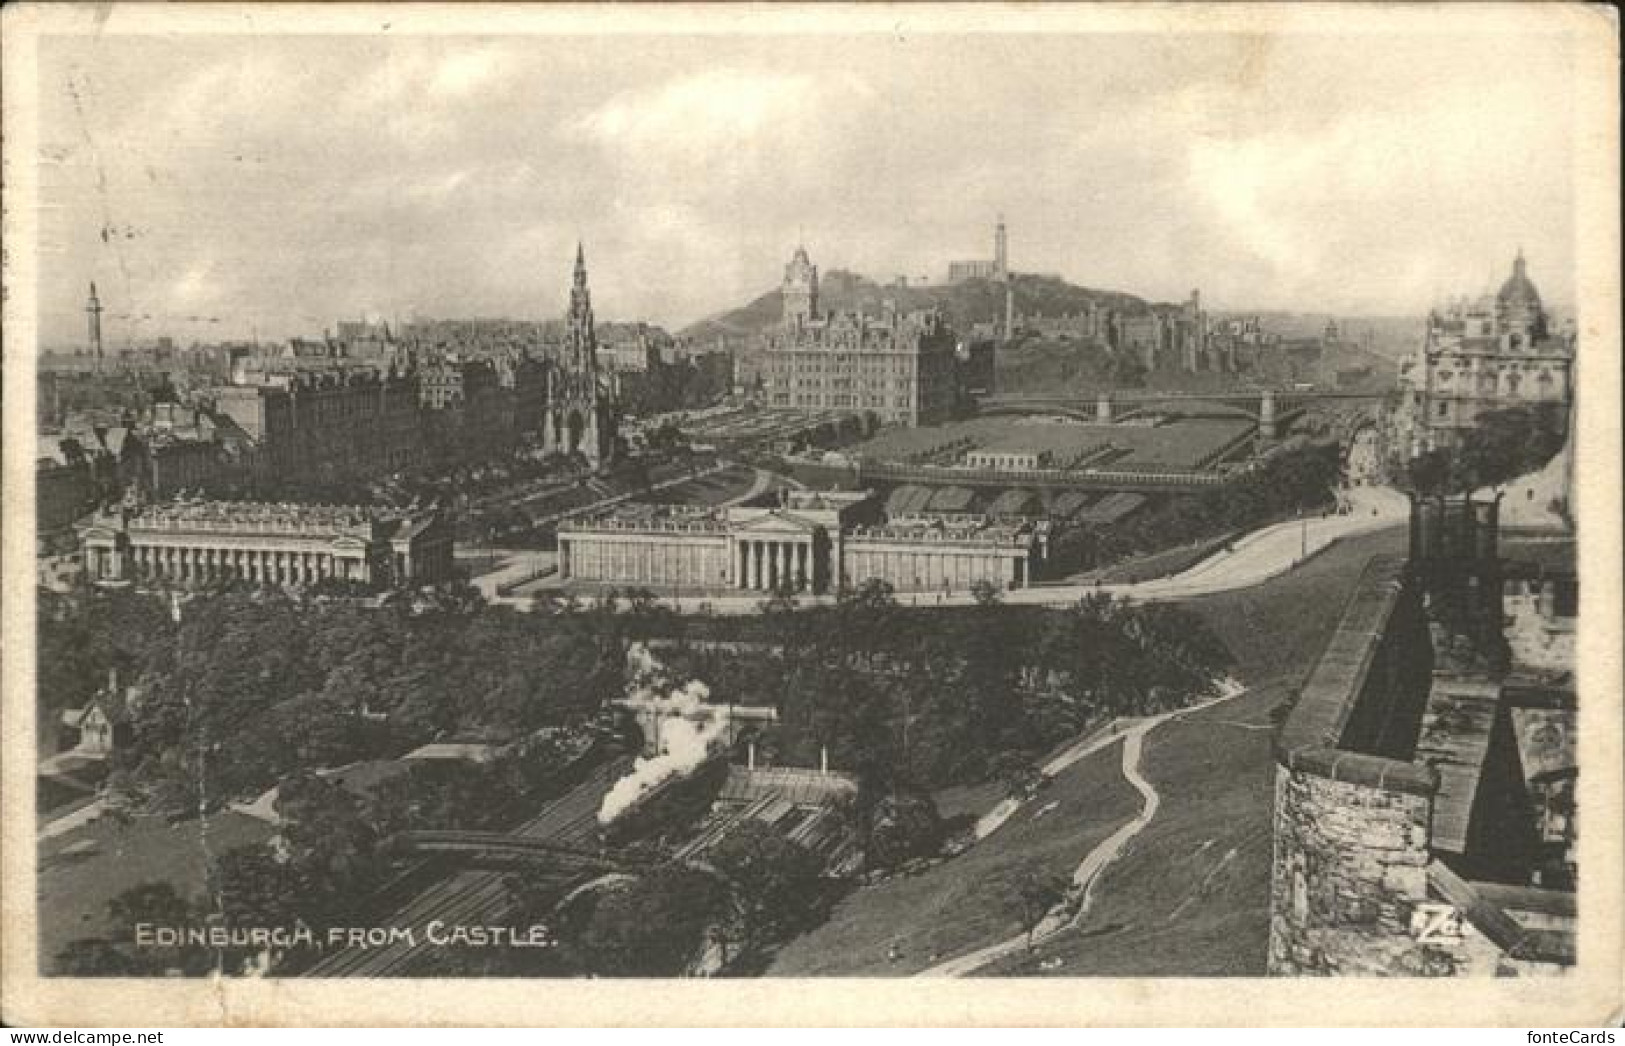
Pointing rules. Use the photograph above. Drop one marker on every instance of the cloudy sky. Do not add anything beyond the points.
(281, 183)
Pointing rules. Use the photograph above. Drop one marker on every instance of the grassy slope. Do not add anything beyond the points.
(1276, 631)
(972, 900)
(1190, 896)
(74, 890)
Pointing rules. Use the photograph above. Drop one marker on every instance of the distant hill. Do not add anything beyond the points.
(965, 304)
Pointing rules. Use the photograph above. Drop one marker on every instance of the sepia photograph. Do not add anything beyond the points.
(1058, 495)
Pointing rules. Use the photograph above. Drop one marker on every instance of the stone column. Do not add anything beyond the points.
(756, 571)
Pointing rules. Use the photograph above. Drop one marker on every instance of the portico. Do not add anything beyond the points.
(777, 550)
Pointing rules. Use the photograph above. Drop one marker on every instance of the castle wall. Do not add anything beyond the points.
(1382, 819)
(1350, 870)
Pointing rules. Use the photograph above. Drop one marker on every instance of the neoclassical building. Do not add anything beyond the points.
(204, 541)
(814, 542)
(1483, 355)
(901, 368)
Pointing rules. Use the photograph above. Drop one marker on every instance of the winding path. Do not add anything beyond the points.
(1096, 861)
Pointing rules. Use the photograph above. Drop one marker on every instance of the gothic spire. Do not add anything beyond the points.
(583, 341)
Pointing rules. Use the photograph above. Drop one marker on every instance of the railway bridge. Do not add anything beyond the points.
(1269, 408)
(505, 848)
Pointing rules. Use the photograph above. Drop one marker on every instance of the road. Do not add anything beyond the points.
(1096, 861)
(1251, 560)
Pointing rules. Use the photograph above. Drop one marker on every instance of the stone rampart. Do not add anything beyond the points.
(1352, 827)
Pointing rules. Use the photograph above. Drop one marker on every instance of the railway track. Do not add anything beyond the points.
(470, 898)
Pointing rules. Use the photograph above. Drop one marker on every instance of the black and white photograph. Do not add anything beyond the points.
(716, 493)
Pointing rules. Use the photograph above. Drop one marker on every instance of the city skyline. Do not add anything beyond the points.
(453, 176)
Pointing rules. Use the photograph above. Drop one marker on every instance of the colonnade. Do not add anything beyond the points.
(933, 569)
(763, 565)
(644, 560)
(182, 563)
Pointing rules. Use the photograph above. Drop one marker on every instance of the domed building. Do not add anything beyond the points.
(1482, 355)
(1517, 306)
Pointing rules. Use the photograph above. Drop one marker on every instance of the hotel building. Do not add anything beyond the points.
(901, 368)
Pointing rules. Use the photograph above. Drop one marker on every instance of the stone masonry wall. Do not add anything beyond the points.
(1350, 868)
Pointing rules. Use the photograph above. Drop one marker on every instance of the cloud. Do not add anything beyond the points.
(698, 113)
(305, 179)
(464, 72)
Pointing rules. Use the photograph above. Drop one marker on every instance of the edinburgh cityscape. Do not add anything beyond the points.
(806, 505)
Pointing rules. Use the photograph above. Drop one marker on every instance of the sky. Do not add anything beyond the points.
(222, 186)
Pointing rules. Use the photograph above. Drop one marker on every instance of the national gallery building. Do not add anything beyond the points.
(203, 541)
(814, 542)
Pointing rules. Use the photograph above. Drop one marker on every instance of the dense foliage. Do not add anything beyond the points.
(251, 686)
(911, 698)
(652, 926)
(1502, 445)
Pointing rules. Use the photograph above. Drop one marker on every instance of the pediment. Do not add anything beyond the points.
(777, 522)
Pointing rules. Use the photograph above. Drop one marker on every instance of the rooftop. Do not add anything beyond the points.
(1455, 739)
(278, 517)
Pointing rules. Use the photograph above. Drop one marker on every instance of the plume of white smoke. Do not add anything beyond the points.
(684, 733)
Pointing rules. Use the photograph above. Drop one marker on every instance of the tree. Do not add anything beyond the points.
(329, 842)
(1017, 772)
(155, 902)
(317, 731)
(436, 794)
(778, 882)
(1038, 892)
(255, 887)
(903, 826)
(654, 926)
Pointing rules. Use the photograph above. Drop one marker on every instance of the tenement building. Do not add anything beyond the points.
(274, 544)
(814, 542)
(1483, 355)
(901, 368)
(331, 425)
